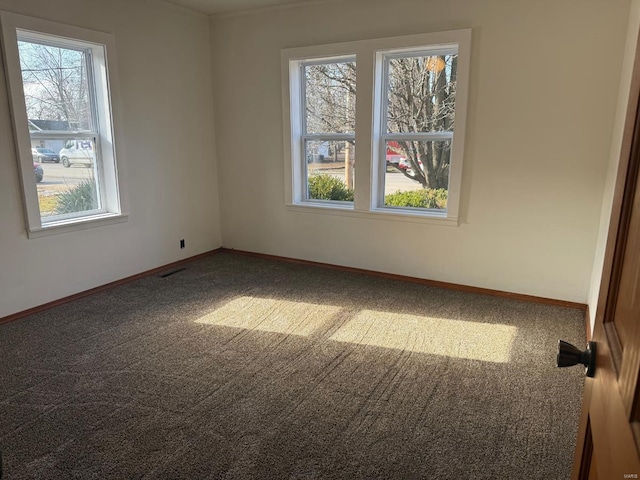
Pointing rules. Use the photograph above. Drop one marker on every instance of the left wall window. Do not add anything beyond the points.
(61, 87)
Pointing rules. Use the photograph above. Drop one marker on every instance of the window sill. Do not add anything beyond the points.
(387, 214)
(65, 226)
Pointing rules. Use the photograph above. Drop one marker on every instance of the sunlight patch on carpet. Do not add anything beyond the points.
(435, 336)
(271, 315)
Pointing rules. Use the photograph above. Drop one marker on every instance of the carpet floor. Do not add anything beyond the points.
(245, 368)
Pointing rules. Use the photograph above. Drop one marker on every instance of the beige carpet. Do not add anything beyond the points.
(240, 368)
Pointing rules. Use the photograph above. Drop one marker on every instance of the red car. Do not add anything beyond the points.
(393, 157)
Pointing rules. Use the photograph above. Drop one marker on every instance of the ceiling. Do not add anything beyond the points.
(218, 7)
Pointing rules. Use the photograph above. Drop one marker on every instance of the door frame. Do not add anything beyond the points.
(625, 187)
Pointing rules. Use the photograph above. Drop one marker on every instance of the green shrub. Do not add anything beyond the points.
(78, 198)
(425, 198)
(327, 187)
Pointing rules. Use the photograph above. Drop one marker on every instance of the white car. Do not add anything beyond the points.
(405, 164)
(77, 151)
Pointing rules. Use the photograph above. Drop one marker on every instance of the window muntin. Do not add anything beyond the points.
(327, 138)
(60, 91)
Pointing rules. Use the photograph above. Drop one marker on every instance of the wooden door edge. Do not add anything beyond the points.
(584, 449)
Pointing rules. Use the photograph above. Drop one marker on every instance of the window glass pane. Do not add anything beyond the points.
(417, 174)
(421, 92)
(330, 97)
(65, 175)
(330, 170)
(56, 87)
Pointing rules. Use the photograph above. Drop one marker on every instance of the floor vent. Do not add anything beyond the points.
(172, 272)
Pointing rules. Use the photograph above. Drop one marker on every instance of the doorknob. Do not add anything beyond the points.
(568, 355)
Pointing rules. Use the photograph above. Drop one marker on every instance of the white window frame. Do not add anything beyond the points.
(104, 133)
(370, 132)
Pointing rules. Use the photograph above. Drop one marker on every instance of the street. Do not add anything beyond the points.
(396, 181)
(57, 177)
(393, 181)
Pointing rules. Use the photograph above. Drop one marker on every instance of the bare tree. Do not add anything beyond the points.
(421, 98)
(55, 84)
(330, 95)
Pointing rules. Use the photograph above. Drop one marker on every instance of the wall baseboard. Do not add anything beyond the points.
(107, 286)
(423, 281)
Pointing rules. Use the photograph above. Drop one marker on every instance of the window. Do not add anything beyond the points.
(407, 118)
(61, 89)
(328, 129)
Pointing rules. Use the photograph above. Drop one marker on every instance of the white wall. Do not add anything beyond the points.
(543, 93)
(164, 63)
(612, 168)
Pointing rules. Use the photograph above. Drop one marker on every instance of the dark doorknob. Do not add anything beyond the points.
(568, 355)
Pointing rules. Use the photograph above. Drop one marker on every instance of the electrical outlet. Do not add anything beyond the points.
(182, 243)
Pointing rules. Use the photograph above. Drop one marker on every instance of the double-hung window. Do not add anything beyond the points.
(402, 100)
(327, 136)
(61, 85)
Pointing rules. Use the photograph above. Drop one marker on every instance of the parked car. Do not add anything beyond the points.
(41, 154)
(37, 169)
(394, 158)
(406, 165)
(77, 151)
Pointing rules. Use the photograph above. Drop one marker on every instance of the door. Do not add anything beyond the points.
(608, 443)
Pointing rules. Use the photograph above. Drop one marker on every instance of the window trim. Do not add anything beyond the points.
(370, 154)
(106, 127)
